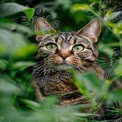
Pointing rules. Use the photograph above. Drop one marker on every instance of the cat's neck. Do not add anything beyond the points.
(44, 71)
(98, 71)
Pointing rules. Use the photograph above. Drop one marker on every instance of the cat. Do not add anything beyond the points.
(59, 52)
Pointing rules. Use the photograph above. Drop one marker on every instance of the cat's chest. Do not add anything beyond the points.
(59, 88)
(66, 91)
(58, 84)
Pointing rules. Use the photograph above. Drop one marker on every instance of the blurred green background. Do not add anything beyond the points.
(18, 46)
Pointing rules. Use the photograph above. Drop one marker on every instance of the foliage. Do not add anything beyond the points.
(18, 45)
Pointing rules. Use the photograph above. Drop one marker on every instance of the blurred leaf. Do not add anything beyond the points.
(14, 44)
(3, 64)
(116, 27)
(115, 95)
(24, 51)
(118, 68)
(47, 102)
(70, 114)
(31, 104)
(7, 86)
(107, 50)
(77, 7)
(13, 26)
(89, 82)
(21, 64)
(66, 3)
(13, 8)
(89, 85)
(110, 15)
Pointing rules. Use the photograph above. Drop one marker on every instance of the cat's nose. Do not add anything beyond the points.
(64, 54)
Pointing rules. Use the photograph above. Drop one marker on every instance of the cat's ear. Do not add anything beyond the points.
(42, 27)
(91, 30)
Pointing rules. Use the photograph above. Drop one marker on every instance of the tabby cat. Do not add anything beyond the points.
(59, 52)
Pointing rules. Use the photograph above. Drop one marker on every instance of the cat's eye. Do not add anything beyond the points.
(78, 48)
(51, 46)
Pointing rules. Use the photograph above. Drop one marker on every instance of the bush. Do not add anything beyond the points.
(18, 46)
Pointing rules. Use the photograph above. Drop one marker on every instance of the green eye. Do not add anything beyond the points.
(78, 48)
(51, 46)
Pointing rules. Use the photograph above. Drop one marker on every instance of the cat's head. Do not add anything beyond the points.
(65, 50)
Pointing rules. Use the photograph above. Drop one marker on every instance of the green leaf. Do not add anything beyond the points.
(24, 51)
(77, 7)
(108, 51)
(7, 86)
(12, 26)
(115, 95)
(87, 82)
(21, 64)
(65, 3)
(118, 68)
(48, 102)
(31, 104)
(14, 45)
(3, 64)
(13, 8)
(29, 13)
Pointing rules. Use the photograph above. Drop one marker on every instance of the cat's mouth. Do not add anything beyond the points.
(62, 66)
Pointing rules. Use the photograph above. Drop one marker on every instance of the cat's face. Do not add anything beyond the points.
(66, 50)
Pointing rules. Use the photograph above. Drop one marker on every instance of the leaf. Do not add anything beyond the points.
(7, 86)
(44, 104)
(31, 104)
(12, 26)
(24, 51)
(108, 51)
(48, 102)
(21, 64)
(89, 82)
(29, 13)
(14, 45)
(118, 68)
(3, 64)
(115, 95)
(77, 7)
(13, 8)
(66, 3)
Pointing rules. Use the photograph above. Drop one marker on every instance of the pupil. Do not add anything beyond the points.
(78, 48)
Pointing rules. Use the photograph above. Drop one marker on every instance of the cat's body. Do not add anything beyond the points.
(59, 52)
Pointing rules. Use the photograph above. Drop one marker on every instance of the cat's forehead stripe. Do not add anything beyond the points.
(60, 40)
(73, 39)
(67, 38)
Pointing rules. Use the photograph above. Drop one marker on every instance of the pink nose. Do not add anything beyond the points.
(64, 53)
